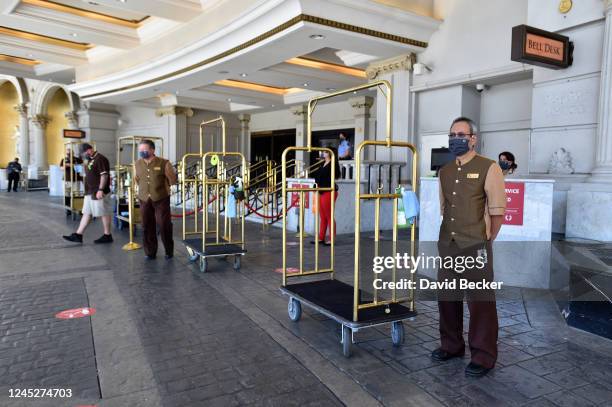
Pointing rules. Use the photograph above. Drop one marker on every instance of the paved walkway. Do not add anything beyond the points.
(166, 335)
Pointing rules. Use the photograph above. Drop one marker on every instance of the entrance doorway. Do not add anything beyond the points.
(269, 145)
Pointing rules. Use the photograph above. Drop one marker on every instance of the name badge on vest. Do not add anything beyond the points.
(473, 175)
(159, 169)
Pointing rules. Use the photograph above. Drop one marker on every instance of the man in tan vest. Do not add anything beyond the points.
(472, 203)
(154, 176)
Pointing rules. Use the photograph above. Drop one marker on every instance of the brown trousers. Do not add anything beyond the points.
(153, 215)
(483, 330)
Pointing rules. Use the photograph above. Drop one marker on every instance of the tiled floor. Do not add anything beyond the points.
(165, 334)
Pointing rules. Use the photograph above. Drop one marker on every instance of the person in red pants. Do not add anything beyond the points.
(323, 178)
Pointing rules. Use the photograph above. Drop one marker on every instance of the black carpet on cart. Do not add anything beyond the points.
(229, 249)
(337, 297)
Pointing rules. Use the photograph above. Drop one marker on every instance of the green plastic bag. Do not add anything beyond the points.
(402, 222)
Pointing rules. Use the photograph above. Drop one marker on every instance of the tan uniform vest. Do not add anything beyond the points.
(465, 199)
(152, 181)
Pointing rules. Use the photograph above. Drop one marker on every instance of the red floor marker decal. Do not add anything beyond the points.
(76, 313)
(290, 270)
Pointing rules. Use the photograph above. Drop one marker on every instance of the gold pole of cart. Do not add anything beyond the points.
(131, 245)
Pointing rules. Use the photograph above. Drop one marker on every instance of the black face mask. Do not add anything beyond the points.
(458, 146)
(505, 165)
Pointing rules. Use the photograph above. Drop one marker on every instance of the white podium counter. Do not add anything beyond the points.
(522, 250)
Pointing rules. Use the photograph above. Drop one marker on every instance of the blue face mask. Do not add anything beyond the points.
(144, 154)
(458, 146)
(505, 165)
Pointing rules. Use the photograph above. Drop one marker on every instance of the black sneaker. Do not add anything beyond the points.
(149, 257)
(75, 237)
(169, 256)
(104, 239)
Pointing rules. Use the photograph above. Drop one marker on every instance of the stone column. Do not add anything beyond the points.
(24, 130)
(361, 112)
(300, 113)
(397, 71)
(175, 145)
(40, 122)
(245, 135)
(603, 159)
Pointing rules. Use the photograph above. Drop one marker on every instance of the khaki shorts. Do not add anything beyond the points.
(97, 207)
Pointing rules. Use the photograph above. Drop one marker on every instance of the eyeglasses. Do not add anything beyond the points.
(459, 135)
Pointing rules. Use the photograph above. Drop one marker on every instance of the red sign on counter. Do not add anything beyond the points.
(295, 196)
(515, 203)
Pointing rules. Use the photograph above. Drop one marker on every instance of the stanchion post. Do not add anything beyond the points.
(131, 245)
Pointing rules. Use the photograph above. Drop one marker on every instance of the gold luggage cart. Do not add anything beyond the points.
(352, 306)
(74, 180)
(215, 241)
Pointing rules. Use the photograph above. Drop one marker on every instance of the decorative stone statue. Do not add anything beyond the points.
(17, 138)
(561, 162)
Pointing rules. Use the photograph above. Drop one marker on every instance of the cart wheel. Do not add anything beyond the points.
(237, 262)
(346, 341)
(203, 264)
(193, 256)
(397, 333)
(295, 309)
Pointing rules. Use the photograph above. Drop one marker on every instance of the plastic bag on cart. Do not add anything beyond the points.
(230, 207)
(411, 205)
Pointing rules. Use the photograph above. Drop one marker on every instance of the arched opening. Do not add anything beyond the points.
(57, 107)
(9, 125)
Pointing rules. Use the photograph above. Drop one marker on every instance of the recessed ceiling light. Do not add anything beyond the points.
(30, 55)
(331, 89)
(176, 92)
(305, 85)
(317, 37)
(272, 105)
(244, 75)
(354, 92)
(74, 34)
(229, 99)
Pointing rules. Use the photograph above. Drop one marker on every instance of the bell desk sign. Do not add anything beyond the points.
(542, 48)
(515, 203)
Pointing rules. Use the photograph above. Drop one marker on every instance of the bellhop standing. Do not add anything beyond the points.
(472, 202)
(154, 176)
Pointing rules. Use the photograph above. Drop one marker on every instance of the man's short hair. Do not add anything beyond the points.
(85, 147)
(148, 142)
(470, 122)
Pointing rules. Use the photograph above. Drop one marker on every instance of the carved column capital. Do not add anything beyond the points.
(399, 63)
(22, 109)
(244, 118)
(73, 118)
(41, 120)
(361, 104)
(300, 111)
(174, 111)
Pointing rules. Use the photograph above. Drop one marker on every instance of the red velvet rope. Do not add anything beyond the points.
(180, 215)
